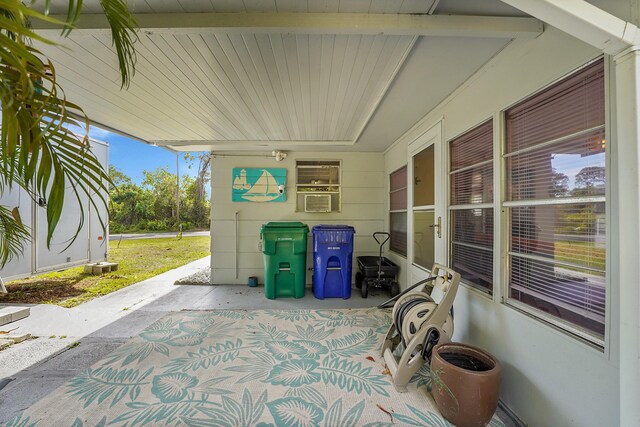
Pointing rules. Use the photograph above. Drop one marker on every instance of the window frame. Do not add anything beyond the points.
(399, 211)
(298, 192)
(496, 174)
(503, 206)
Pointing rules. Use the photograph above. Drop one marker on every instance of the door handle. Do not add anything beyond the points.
(438, 227)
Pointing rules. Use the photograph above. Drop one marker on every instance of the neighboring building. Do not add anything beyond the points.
(91, 245)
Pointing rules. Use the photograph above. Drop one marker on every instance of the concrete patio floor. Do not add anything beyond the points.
(41, 365)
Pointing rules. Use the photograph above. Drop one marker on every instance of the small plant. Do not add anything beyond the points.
(62, 337)
(74, 345)
(52, 336)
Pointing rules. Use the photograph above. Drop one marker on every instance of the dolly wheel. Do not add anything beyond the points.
(364, 291)
(359, 279)
(394, 288)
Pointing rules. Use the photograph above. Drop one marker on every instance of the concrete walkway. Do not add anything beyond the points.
(41, 365)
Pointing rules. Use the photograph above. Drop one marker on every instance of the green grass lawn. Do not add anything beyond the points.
(138, 260)
(581, 253)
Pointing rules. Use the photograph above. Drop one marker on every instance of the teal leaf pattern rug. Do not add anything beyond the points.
(266, 368)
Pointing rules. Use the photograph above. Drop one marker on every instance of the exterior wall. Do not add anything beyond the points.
(364, 185)
(549, 377)
(90, 245)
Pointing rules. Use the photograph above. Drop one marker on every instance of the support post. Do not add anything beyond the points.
(627, 158)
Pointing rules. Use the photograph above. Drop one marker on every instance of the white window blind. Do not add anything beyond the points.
(556, 199)
(471, 206)
(398, 210)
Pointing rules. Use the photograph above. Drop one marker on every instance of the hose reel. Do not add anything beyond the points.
(419, 321)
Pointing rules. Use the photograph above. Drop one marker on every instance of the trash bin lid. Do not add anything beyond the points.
(331, 227)
(281, 225)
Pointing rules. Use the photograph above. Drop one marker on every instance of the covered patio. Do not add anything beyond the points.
(497, 137)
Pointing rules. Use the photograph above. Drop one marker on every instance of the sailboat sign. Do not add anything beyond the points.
(259, 185)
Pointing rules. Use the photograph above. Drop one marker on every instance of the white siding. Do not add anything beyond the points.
(363, 207)
(89, 246)
(549, 378)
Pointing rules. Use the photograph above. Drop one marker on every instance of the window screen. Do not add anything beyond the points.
(471, 205)
(398, 210)
(556, 199)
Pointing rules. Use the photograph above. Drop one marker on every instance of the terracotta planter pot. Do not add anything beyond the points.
(465, 384)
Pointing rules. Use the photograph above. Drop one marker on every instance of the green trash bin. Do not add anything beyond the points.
(284, 248)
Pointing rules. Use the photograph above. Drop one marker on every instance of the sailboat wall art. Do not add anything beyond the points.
(259, 185)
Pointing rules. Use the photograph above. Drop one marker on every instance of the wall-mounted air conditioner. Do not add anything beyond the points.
(317, 202)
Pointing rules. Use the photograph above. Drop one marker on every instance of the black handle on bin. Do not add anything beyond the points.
(384, 233)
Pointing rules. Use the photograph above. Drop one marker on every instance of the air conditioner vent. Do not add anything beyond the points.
(317, 203)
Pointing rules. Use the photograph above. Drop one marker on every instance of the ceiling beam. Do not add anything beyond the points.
(583, 21)
(316, 23)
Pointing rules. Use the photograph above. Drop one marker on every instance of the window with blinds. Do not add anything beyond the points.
(556, 201)
(398, 211)
(471, 206)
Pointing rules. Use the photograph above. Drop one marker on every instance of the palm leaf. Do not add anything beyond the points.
(37, 151)
(256, 368)
(352, 377)
(98, 385)
(308, 393)
(14, 237)
(354, 344)
(334, 415)
(207, 357)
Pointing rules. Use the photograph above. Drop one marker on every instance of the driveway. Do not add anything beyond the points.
(158, 235)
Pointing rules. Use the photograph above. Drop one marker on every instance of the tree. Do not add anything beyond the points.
(560, 184)
(591, 177)
(37, 150)
(199, 211)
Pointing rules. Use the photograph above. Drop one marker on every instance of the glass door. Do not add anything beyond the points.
(426, 201)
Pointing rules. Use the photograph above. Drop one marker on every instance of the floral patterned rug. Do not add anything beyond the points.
(244, 368)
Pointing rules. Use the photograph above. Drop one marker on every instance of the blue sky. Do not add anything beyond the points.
(132, 156)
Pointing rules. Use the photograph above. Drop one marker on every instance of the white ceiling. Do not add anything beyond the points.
(211, 89)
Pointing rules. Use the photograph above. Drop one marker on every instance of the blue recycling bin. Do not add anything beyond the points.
(332, 261)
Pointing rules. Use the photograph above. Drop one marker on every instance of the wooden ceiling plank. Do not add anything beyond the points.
(346, 71)
(315, 60)
(358, 83)
(96, 95)
(221, 118)
(328, 44)
(292, 6)
(90, 72)
(169, 90)
(174, 65)
(220, 82)
(260, 5)
(224, 63)
(269, 59)
(302, 47)
(223, 100)
(172, 90)
(280, 59)
(263, 83)
(292, 63)
(323, 6)
(399, 55)
(239, 62)
(337, 61)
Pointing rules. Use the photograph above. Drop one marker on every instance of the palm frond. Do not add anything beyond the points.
(123, 36)
(13, 238)
(37, 151)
